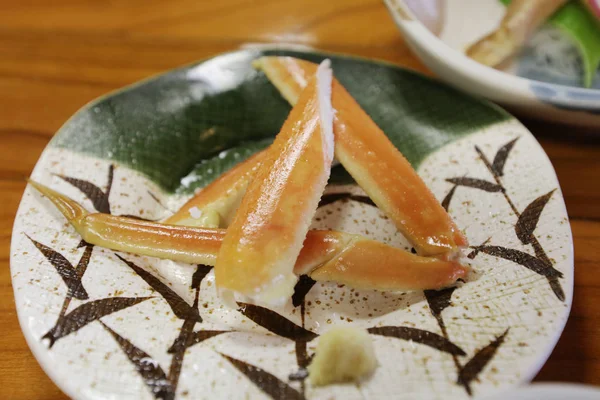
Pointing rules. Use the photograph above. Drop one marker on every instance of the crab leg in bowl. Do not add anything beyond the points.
(522, 18)
(325, 256)
(374, 162)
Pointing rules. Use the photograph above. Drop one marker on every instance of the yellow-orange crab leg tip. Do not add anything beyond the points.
(172, 242)
(367, 264)
(215, 205)
(264, 240)
(289, 75)
(375, 163)
(522, 18)
(192, 245)
(72, 210)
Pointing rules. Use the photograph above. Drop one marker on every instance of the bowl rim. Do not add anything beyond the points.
(414, 28)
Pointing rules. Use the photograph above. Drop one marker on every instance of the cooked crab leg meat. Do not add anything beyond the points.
(178, 243)
(374, 162)
(400, 193)
(215, 205)
(522, 18)
(262, 243)
(327, 255)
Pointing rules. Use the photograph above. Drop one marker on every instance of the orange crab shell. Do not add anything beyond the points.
(262, 243)
(326, 255)
(374, 162)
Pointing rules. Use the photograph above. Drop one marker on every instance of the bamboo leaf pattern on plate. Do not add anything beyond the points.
(84, 261)
(363, 199)
(197, 337)
(201, 272)
(526, 223)
(303, 286)
(65, 269)
(180, 308)
(153, 375)
(476, 364)
(501, 156)
(448, 198)
(439, 300)
(98, 198)
(520, 257)
(203, 143)
(476, 184)
(265, 381)
(89, 312)
(330, 198)
(418, 336)
(276, 323)
(528, 220)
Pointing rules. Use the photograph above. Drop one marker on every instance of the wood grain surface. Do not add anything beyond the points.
(55, 56)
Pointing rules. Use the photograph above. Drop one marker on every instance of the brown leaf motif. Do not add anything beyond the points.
(528, 220)
(476, 364)
(201, 272)
(420, 336)
(89, 312)
(526, 260)
(153, 375)
(180, 308)
(303, 286)
(448, 198)
(276, 323)
(476, 184)
(65, 269)
(98, 198)
(84, 261)
(197, 337)
(438, 300)
(333, 197)
(501, 156)
(265, 381)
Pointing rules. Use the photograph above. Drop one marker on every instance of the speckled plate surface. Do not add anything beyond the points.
(107, 325)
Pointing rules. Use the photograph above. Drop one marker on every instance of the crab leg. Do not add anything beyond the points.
(265, 237)
(374, 162)
(215, 205)
(522, 18)
(326, 255)
(365, 152)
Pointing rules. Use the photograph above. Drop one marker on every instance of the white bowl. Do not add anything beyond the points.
(438, 31)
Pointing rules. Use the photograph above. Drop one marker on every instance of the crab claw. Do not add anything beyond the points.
(325, 256)
(374, 162)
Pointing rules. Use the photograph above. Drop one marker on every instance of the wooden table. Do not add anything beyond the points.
(56, 56)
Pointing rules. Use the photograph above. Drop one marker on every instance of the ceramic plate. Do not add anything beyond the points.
(540, 83)
(107, 325)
